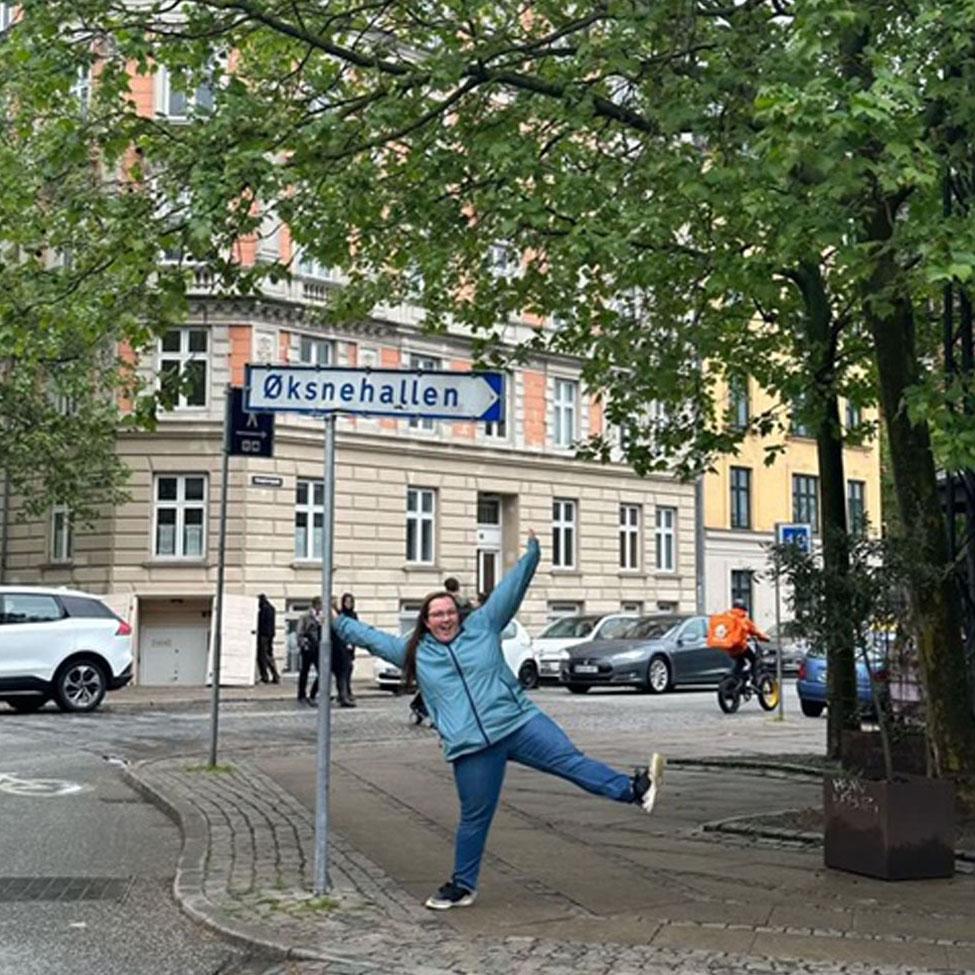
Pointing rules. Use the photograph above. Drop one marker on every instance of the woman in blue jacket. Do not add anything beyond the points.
(484, 718)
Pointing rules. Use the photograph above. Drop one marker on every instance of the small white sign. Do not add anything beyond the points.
(376, 392)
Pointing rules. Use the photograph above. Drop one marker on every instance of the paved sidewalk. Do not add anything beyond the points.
(571, 883)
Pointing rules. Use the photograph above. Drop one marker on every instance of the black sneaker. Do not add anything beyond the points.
(646, 782)
(451, 895)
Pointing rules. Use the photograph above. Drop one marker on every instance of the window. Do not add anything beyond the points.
(741, 588)
(503, 261)
(632, 606)
(499, 430)
(741, 497)
(428, 364)
(29, 608)
(561, 610)
(183, 366)
(269, 236)
(315, 352)
(420, 512)
(563, 533)
(177, 103)
(179, 516)
(409, 610)
(805, 499)
(564, 412)
(61, 540)
(629, 536)
(309, 517)
(853, 416)
(856, 506)
(81, 89)
(739, 406)
(666, 521)
(6, 15)
(799, 425)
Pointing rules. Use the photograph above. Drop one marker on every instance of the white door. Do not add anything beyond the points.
(238, 642)
(488, 542)
(172, 654)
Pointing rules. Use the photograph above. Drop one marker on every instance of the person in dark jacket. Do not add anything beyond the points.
(309, 633)
(265, 640)
(343, 655)
(484, 717)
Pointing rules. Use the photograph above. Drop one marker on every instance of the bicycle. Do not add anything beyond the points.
(734, 688)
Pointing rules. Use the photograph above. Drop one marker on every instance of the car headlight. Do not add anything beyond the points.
(627, 656)
(563, 655)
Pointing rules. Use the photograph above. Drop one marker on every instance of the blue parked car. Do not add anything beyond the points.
(811, 681)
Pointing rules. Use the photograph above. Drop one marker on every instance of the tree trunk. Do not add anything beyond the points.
(841, 713)
(933, 596)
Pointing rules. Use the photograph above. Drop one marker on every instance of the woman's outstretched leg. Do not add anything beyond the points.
(541, 744)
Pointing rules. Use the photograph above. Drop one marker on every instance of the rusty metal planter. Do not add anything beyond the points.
(893, 830)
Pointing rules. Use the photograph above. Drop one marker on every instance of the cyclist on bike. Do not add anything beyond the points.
(733, 633)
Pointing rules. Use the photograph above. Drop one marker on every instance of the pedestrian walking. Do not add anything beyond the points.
(309, 633)
(343, 655)
(265, 641)
(485, 719)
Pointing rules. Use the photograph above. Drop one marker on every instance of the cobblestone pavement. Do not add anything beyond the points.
(246, 868)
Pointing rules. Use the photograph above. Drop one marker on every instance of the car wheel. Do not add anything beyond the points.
(528, 675)
(26, 703)
(811, 709)
(658, 676)
(80, 685)
(578, 688)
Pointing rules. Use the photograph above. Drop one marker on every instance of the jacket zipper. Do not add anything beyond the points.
(467, 691)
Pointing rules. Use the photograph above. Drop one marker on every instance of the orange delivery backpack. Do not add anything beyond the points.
(726, 631)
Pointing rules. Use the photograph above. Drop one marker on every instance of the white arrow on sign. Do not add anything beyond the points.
(376, 392)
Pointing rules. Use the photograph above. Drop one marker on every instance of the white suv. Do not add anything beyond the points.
(61, 644)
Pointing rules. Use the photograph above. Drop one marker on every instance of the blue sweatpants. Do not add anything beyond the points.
(540, 744)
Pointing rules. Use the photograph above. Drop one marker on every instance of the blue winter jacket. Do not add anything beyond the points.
(471, 694)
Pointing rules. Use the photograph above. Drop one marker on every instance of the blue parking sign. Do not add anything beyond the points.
(794, 533)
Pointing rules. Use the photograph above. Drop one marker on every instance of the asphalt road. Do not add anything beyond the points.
(103, 858)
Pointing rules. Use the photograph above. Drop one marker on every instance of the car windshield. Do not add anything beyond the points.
(574, 627)
(651, 627)
(613, 629)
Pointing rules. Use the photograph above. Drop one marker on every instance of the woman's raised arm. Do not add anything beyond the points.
(385, 645)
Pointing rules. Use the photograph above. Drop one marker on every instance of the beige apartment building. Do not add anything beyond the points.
(415, 500)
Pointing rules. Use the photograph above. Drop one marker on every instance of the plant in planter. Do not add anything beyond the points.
(885, 816)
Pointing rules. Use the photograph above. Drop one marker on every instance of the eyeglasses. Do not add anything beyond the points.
(445, 614)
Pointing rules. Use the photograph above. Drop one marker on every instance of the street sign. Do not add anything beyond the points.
(267, 480)
(249, 434)
(376, 392)
(794, 533)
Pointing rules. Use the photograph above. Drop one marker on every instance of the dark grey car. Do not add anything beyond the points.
(658, 653)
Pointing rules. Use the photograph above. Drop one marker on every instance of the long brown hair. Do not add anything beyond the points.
(419, 632)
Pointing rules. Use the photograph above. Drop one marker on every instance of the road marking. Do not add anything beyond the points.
(16, 786)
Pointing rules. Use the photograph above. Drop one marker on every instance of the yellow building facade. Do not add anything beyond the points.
(744, 499)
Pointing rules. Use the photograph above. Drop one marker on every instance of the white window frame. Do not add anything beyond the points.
(565, 533)
(62, 534)
(315, 351)
(560, 609)
(503, 261)
(309, 509)
(632, 607)
(630, 523)
(498, 430)
(269, 236)
(164, 97)
(565, 397)
(183, 357)
(425, 525)
(181, 505)
(428, 363)
(6, 15)
(665, 538)
(81, 87)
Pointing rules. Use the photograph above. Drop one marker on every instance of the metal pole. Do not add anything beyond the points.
(5, 526)
(322, 882)
(700, 595)
(221, 562)
(778, 648)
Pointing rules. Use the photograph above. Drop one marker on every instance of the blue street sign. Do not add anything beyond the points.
(249, 434)
(794, 533)
(376, 392)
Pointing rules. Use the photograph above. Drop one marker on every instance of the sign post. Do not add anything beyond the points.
(326, 391)
(249, 435)
(786, 533)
